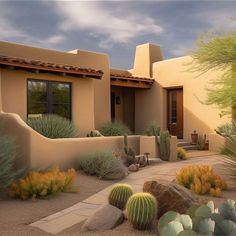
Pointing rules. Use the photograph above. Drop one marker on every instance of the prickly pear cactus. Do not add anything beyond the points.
(119, 195)
(228, 210)
(141, 210)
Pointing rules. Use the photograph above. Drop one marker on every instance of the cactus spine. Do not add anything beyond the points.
(141, 210)
(163, 141)
(119, 195)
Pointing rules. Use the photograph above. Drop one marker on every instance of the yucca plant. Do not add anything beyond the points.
(230, 157)
(8, 155)
(116, 128)
(53, 126)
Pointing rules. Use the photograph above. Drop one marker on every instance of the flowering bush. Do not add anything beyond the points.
(201, 179)
(39, 184)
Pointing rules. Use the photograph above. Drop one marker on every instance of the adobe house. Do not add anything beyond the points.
(81, 86)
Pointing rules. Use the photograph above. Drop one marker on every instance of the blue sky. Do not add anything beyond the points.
(114, 27)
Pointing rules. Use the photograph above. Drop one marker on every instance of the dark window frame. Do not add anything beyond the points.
(49, 102)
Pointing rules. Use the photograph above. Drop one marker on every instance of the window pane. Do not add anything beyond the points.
(36, 109)
(62, 110)
(60, 93)
(37, 91)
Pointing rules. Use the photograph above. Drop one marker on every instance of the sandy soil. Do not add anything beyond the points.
(15, 215)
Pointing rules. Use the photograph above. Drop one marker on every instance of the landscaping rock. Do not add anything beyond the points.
(170, 196)
(106, 217)
(133, 167)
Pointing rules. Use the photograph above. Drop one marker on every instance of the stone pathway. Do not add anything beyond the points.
(81, 211)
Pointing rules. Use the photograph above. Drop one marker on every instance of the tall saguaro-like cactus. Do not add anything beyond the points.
(163, 142)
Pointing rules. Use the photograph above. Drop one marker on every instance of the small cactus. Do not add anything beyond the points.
(129, 152)
(163, 142)
(119, 195)
(225, 227)
(141, 210)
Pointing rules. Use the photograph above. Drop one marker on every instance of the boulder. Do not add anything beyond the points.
(170, 196)
(104, 218)
(133, 167)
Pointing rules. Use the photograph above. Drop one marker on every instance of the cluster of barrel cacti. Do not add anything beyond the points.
(140, 208)
(119, 195)
(203, 220)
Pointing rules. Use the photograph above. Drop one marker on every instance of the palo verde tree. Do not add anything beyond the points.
(218, 51)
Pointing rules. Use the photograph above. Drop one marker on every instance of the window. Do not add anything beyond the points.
(48, 97)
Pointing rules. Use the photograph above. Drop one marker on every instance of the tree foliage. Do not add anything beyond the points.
(215, 51)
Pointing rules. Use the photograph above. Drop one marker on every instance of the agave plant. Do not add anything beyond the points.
(230, 157)
(8, 154)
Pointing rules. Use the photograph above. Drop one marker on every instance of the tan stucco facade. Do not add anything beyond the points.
(91, 102)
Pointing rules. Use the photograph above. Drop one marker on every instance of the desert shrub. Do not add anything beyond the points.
(116, 128)
(201, 179)
(181, 153)
(53, 126)
(153, 129)
(39, 184)
(102, 164)
(8, 155)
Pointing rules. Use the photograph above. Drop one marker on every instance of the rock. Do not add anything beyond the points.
(104, 218)
(133, 167)
(170, 196)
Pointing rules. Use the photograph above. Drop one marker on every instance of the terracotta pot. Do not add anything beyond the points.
(194, 137)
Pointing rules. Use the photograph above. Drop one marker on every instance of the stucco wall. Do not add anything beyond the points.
(38, 151)
(14, 96)
(101, 93)
(197, 116)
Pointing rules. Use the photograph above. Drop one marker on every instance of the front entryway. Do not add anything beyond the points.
(122, 105)
(175, 112)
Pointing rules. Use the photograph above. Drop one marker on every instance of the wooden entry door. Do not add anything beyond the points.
(175, 112)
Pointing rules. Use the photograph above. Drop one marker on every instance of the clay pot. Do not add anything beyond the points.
(194, 137)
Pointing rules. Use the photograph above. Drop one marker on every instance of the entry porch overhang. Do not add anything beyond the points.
(131, 81)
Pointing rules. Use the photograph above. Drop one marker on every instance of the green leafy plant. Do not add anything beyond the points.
(153, 129)
(116, 128)
(102, 164)
(8, 155)
(141, 210)
(130, 154)
(163, 142)
(119, 195)
(181, 153)
(53, 126)
(202, 220)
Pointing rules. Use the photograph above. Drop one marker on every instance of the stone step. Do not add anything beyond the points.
(190, 147)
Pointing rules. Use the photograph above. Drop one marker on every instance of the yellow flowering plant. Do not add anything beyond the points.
(39, 184)
(201, 179)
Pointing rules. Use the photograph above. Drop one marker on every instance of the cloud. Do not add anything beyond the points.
(108, 24)
(10, 31)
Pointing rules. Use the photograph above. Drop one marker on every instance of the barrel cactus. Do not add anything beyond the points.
(119, 195)
(141, 210)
